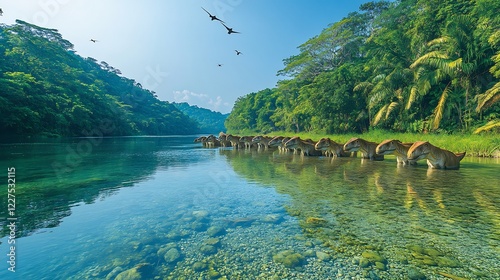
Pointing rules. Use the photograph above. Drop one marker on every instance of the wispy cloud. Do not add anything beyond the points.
(202, 100)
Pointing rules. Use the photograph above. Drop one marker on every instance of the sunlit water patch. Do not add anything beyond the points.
(166, 208)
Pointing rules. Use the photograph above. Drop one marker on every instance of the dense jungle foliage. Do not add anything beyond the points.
(406, 66)
(208, 121)
(47, 89)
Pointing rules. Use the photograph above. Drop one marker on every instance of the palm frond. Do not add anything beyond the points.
(495, 69)
(378, 96)
(455, 64)
(412, 97)
(363, 86)
(433, 58)
(439, 110)
(490, 97)
(489, 126)
(437, 41)
(379, 114)
(494, 38)
(379, 77)
(390, 108)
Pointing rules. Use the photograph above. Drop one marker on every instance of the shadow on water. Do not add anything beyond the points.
(56, 174)
(444, 220)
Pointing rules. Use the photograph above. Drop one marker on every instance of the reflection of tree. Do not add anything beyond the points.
(361, 204)
(43, 200)
(490, 205)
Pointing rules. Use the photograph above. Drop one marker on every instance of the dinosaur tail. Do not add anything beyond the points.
(460, 156)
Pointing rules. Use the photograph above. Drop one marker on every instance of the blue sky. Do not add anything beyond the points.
(173, 48)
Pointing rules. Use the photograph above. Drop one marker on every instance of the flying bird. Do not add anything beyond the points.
(211, 16)
(229, 30)
(93, 40)
(220, 65)
(238, 52)
(1, 12)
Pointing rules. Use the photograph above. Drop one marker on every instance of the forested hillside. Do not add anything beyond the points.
(47, 89)
(407, 65)
(208, 120)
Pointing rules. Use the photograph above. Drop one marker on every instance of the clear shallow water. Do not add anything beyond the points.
(164, 207)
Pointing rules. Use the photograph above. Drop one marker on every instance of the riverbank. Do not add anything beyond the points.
(484, 145)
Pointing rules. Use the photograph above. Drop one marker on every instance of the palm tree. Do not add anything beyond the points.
(492, 95)
(387, 91)
(450, 66)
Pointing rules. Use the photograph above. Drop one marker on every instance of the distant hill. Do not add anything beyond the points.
(47, 89)
(208, 120)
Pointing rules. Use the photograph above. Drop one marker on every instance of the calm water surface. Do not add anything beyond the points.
(166, 208)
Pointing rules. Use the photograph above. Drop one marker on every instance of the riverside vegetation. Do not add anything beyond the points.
(418, 66)
(484, 145)
(84, 96)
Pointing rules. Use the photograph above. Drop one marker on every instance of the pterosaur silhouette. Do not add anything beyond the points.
(211, 16)
(229, 30)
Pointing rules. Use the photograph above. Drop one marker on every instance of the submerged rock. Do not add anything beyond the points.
(289, 258)
(208, 249)
(199, 266)
(213, 274)
(428, 261)
(415, 248)
(172, 255)
(215, 231)
(432, 252)
(114, 273)
(213, 241)
(315, 222)
(309, 253)
(414, 274)
(241, 222)
(164, 249)
(200, 214)
(322, 256)
(373, 257)
(177, 235)
(272, 218)
(199, 226)
(364, 263)
(380, 266)
(445, 261)
(140, 271)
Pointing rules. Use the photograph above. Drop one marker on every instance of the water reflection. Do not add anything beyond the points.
(166, 208)
(53, 176)
(398, 211)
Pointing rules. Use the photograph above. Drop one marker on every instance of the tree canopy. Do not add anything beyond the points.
(208, 121)
(407, 65)
(47, 89)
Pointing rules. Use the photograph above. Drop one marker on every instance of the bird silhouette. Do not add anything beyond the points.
(229, 30)
(1, 12)
(220, 65)
(238, 52)
(211, 16)
(93, 40)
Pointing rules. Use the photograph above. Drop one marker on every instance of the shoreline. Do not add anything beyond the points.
(482, 146)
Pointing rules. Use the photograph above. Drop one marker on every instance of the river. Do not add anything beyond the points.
(167, 208)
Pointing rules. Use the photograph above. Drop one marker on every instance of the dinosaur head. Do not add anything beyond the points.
(419, 150)
(322, 144)
(292, 143)
(386, 147)
(352, 145)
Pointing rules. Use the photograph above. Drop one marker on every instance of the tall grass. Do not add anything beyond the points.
(486, 145)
